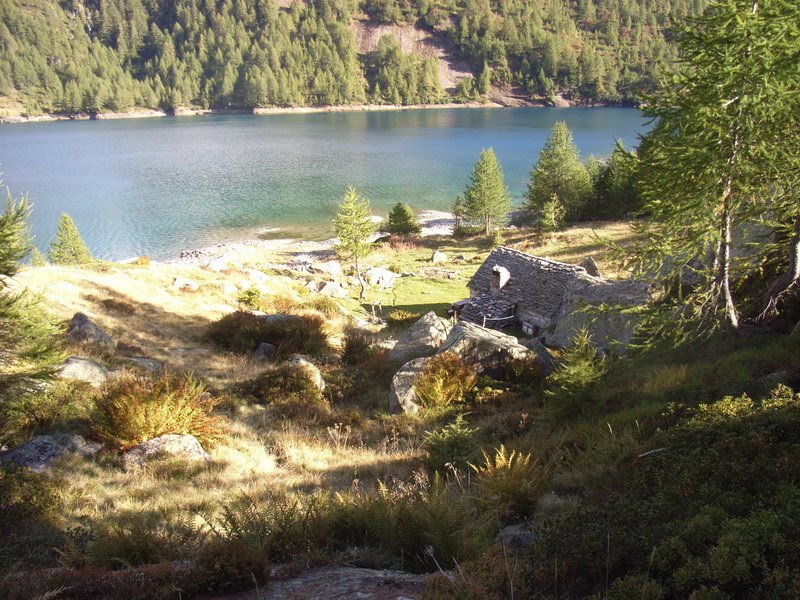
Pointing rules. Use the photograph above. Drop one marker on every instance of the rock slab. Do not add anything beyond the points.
(83, 369)
(487, 348)
(423, 338)
(82, 330)
(402, 395)
(173, 445)
(42, 452)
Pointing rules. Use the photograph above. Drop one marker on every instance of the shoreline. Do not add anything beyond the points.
(143, 113)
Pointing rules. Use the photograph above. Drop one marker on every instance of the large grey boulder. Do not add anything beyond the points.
(439, 257)
(380, 277)
(82, 330)
(264, 351)
(331, 268)
(423, 338)
(185, 447)
(314, 374)
(83, 369)
(402, 396)
(150, 365)
(42, 452)
(488, 349)
(333, 289)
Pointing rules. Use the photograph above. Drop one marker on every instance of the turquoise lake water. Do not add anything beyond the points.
(158, 186)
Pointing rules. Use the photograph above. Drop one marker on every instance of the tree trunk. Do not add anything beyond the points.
(361, 281)
(724, 275)
(785, 281)
(487, 223)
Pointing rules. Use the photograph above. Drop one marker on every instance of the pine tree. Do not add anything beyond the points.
(68, 247)
(487, 199)
(27, 335)
(560, 172)
(353, 226)
(37, 258)
(402, 220)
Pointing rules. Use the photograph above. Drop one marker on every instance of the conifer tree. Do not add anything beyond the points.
(402, 220)
(28, 347)
(487, 199)
(68, 247)
(559, 172)
(353, 226)
(37, 258)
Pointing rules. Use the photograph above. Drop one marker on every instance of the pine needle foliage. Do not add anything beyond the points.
(402, 220)
(68, 247)
(559, 172)
(487, 199)
(353, 225)
(29, 347)
(569, 386)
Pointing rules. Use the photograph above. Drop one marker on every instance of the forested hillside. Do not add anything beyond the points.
(112, 55)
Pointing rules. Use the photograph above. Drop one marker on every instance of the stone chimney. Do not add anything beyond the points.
(500, 277)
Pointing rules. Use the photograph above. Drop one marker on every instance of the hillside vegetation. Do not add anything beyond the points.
(113, 55)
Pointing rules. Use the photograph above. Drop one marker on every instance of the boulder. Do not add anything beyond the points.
(423, 338)
(591, 267)
(300, 361)
(380, 277)
(487, 348)
(544, 359)
(185, 285)
(83, 369)
(41, 453)
(146, 364)
(218, 265)
(439, 257)
(185, 447)
(333, 289)
(265, 351)
(517, 537)
(229, 289)
(82, 330)
(330, 268)
(255, 275)
(402, 395)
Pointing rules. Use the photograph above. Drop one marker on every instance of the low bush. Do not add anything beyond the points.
(402, 318)
(451, 446)
(250, 298)
(510, 482)
(230, 565)
(288, 389)
(357, 347)
(324, 304)
(133, 409)
(242, 332)
(445, 380)
(570, 386)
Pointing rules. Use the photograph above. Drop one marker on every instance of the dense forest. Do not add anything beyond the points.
(112, 55)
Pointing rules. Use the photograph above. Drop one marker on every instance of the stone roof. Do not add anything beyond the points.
(536, 284)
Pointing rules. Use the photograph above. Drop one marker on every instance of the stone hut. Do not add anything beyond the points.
(546, 299)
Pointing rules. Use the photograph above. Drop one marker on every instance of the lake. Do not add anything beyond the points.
(161, 185)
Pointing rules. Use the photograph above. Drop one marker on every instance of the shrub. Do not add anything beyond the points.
(242, 332)
(510, 482)
(230, 565)
(26, 496)
(250, 298)
(402, 220)
(569, 387)
(133, 409)
(324, 304)
(68, 247)
(289, 390)
(357, 347)
(399, 317)
(444, 381)
(454, 444)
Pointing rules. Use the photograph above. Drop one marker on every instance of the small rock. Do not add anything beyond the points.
(179, 446)
(311, 369)
(254, 275)
(218, 265)
(402, 396)
(147, 364)
(185, 285)
(591, 267)
(330, 268)
(82, 330)
(460, 258)
(265, 351)
(43, 451)
(517, 537)
(423, 338)
(333, 289)
(83, 369)
(767, 383)
(229, 289)
(378, 276)
(439, 257)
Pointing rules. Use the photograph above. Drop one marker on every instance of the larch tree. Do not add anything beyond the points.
(353, 226)
(402, 220)
(559, 173)
(28, 343)
(487, 199)
(722, 156)
(68, 247)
